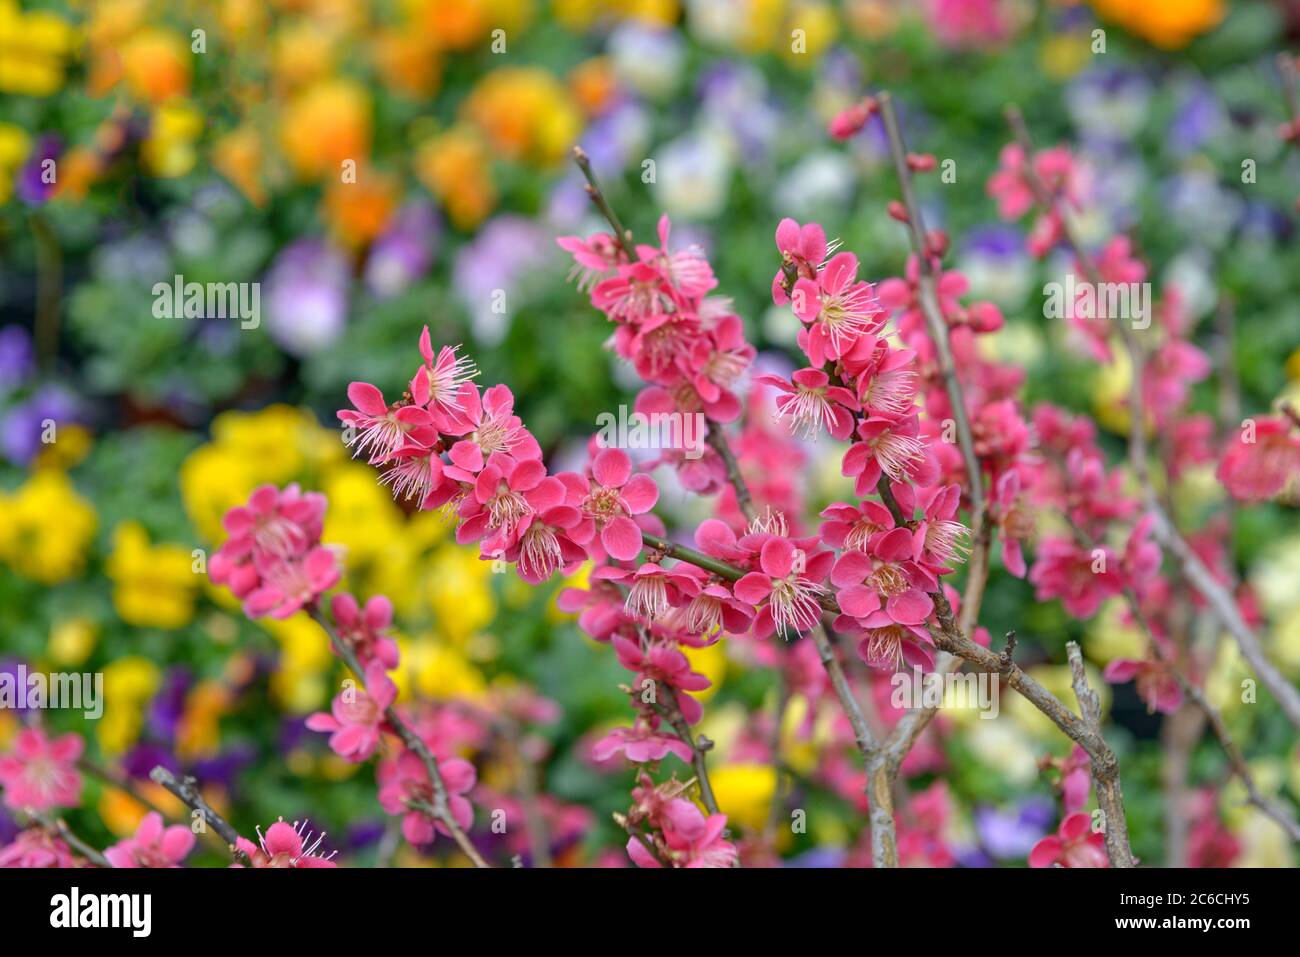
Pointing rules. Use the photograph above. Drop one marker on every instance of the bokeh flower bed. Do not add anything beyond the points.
(381, 167)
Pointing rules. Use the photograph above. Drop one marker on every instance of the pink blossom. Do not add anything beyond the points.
(41, 773)
(152, 845)
(38, 847)
(381, 429)
(852, 528)
(291, 585)
(1255, 471)
(503, 495)
(610, 500)
(285, 845)
(640, 743)
(491, 427)
(1074, 844)
(405, 779)
(1080, 577)
(837, 309)
(357, 715)
(787, 586)
(811, 403)
(889, 447)
(363, 630)
(803, 249)
(691, 839)
(1156, 684)
(439, 383)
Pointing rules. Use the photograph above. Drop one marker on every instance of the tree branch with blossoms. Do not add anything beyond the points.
(1221, 602)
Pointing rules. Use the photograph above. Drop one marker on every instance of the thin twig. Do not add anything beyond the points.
(1105, 768)
(934, 319)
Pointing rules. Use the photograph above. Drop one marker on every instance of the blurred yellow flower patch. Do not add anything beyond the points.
(46, 528)
(33, 47)
(154, 586)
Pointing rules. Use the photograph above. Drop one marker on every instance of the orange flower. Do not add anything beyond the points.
(454, 167)
(325, 125)
(1169, 24)
(238, 156)
(593, 84)
(358, 212)
(407, 61)
(525, 112)
(156, 65)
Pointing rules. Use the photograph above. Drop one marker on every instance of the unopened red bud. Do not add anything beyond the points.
(921, 162)
(898, 211)
(937, 241)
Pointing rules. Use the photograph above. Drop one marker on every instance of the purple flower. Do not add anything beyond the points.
(403, 253)
(143, 758)
(1198, 117)
(307, 296)
(33, 184)
(168, 705)
(1009, 835)
(490, 271)
(16, 362)
(23, 426)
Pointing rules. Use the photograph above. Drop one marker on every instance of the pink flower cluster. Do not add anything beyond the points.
(273, 559)
(676, 832)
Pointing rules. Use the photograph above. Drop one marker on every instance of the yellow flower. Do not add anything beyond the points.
(72, 640)
(436, 670)
(120, 812)
(46, 528)
(1169, 24)
(302, 51)
(460, 592)
(359, 211)
(1110, 638)
(33, 46)
(238, 156)
(819, 26)
(73, 445)
(711, 662)
(300, 682)
(1057, 680)
(129, 683)
(169, 150)
(14, 144)
(744, 793)
(154, 585)
(326, 124)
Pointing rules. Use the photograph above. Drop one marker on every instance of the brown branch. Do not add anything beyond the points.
(1105, 767)
(187, 791)
(1221, 602)
(717, 438)
(621, 236)
(699, 747)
